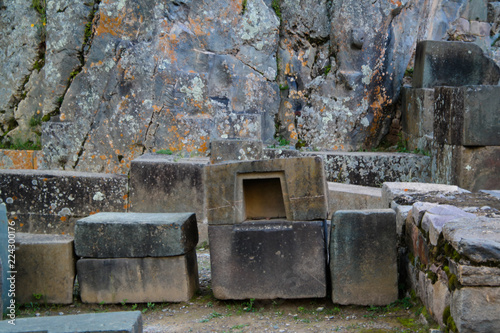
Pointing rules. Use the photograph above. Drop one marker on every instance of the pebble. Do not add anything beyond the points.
(61, 313)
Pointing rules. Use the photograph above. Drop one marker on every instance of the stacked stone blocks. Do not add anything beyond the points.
(137, 257)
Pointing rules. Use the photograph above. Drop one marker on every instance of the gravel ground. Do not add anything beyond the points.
(204, 313)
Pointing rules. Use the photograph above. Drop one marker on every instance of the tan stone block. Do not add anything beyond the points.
(45, 266)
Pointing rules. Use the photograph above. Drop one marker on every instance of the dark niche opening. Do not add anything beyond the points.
(263, 198)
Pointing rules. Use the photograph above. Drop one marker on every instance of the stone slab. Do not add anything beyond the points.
(112, 322)
(280, 152)
(235, 150)
(445, 63)
(45, 266)
(476, 309)
(373, 169)
(416, 242)
(135, 235)
(477, 239)
(475, 275)
(363, 257)
(467, 116)
(401, 215)
(267, 260)
(169, 184)
(297, 185)
(391, 190)
(436, 217)
(57, 197)
(417, 115)
(352, 197)
(4, 255)
(138, 280)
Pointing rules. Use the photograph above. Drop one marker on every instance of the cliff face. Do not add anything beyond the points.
(108, 80)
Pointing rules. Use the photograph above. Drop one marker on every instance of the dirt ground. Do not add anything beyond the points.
(204, 313)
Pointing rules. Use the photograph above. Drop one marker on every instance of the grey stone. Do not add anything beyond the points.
(112, 322)
(291, 188)
(283, 152)
(418, 211)
(363, 258)
(373, 169)
(45, 266)
(496, 194)
(4, 255)
(477, 10)
(436, 217)
(49, 201)
(477, 239)
(452, 64)
(475, 275)
(135, 235)
(392, 190)
(417, 116)
(416, 242)
(169, 184)
(401, 215)
(476, 309)
(435, 296)
(268, 259)
(352, 197)
(235, 150)
(138, 280)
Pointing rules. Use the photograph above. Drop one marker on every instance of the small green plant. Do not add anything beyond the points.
(284, 87)
(328, 69)
(18, 144)
(37, 296)
(73, 74)
(164, 152)
(210, 304)
(211, 316)
(151, 306)
(35, 121)
(243, 7)
(402, 144)
(276, 6)
(123, 302)
(134, 307)
(409, 72)
(249, 306)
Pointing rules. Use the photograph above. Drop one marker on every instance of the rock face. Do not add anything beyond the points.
(111, 80)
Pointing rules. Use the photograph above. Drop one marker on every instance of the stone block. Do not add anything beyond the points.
(467, 116)
(477, 239)
(417, 115)
(138, 280)
(418, 211)
(373, 169)
(135, 235)
(435, 296)
(475, 275)
(352, 197)
(112, 322)
(4, 255)
(444, 63)
(293, 189)
(42, 201)
(401, 215)
(392, 190)
(267, 260)
(280, 152)
(436, 217)
(163, 184)
(235, 150)
(45, 266)
(476, 309)
(476, 10)
(416, 242)
(363, 257)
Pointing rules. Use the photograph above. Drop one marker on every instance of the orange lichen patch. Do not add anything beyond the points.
(293, 135)
(167, 45)
(63, 218)
(121, 25)
(19, 159)
(125, 196)
(102, 157)
(62, 117)
(406, 190)
(21, 225)
(396, 2)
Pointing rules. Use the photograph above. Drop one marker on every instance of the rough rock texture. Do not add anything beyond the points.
(476, 309)
(19, 159)
(352, 197)
(235, 150)
(123, 77)
(417, 118)
(135, 235)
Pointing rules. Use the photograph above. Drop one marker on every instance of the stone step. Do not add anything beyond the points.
(135, 235)
(352, 197)
(113, 322)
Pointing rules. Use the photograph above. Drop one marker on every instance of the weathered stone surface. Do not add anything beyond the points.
(419, 209)
(45, 266)
(417, 117)
(4, 257)
(49, 201)
(19, 159)
(135, 235)
(281, 152)
(235, 150)
(363, 258)
(401, 215)
(138, 280)
(392, 190)
(268, 259)
(475, 275)
(477, 239)
(436, 217)
(452, 64)
(352, 197)
(166, 184)
(472, 168)
(467, 116)
(435, 296)
(291, 188)
(373, 169)
(476, 309)
(112, 322)
(416, 242)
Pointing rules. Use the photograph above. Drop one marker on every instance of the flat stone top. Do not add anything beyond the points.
(478, 239)
(137, 218)
(355, 189)
(25, 238)
(361, 154)
(126, 321)
(156, 158)
(59, 173)
(404, 187)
